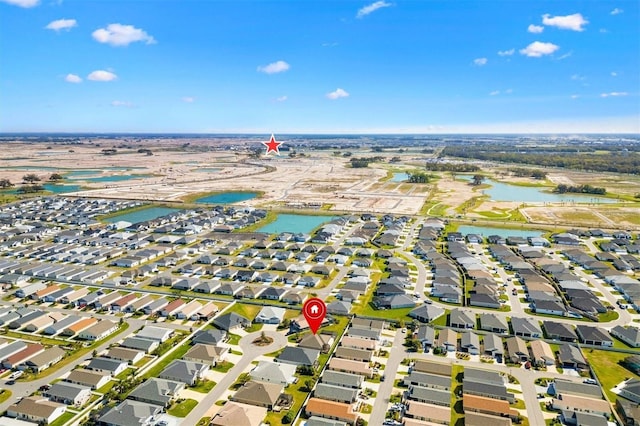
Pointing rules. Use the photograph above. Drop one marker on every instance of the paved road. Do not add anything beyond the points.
(325, 292)
(207, 407)
(396, 355)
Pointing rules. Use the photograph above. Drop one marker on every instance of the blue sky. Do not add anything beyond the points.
(320, 66)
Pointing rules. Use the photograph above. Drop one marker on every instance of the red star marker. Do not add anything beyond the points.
(272, 145)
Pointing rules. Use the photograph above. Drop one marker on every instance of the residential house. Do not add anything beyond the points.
(259, 393)
(131, 356)
(107, 365)
(517, 350)
(346, 380)
(155, 333)
(594, 336)
(470, 342)
(187, 372)
(206, 354)
(92, 379)
(46, 359)
(146, 345)
(447, 340)
(493, 346)
(559, 331)
(331, 410)
(526, 327)
(157, 391)
(210, 337)
(570, 356)
(98, 331)
(349, 366)
(273, 372)
(493, 323)
(541, 353)
(630, 335)
(426, 313)
(270, 315)
(335, 393)
(36, 409)
(459, 318)
(298, 356)
(130, 412)
(68, 393)
(231, 321)
(236, 414)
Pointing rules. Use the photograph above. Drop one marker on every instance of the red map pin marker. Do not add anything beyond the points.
(314, 311)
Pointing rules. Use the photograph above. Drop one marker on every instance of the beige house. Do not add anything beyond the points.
(206, 354)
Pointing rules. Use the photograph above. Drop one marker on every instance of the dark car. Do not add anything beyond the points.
(11, 382)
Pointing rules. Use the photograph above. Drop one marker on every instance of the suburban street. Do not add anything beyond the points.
(396, 354)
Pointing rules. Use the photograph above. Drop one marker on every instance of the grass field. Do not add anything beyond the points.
(608, 370)
(183, 408)
(247, 311)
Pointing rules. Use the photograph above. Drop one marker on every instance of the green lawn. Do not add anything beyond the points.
(204, 386)
(247, 311)
(204, 421)
(608, 316)
(223, 366)
(608, 370)
(106, 388)
(298, 398)
(234, 339)
(254, 327)
(62, 419)
(4, 395)
(183, 408)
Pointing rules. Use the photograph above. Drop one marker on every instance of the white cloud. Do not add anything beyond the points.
(538, 49)
(614, 74)
(506, 52)
(565, 56)
(282, 98)
(274, 67)
(578, 77)
(480, 61)
(102, 75)
(603, 31)
(188, 99)
(72, 78)
(337, 94)
(494, 93)
(575, 96)
(606, 95)
(62, 24)
(573, 22)
(508, 91)
(535, 29)
(121, 35)
(616, 11)
(372, 8)
(22, 3)
(125, 104)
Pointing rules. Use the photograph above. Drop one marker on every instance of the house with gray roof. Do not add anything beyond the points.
(299, 356)
(274, 372)
(321, 421)
(335, 393)
(184, 371)
(145, 345)
(130, 412)
(630, 335)
(631, 390)
(493, 323)
(562, 386)
(517, 349)
(159, 334)
(429, 395)
(45, 359)
(157, 391)
(270, 315)
(492, 345)
(338, 378)
(416, 378)
(91, 379)
(107, 365)
(559, 331)
(231, 321)
(470, 342)
(571, 357)
(526, 327)
(339, 307)
(459, 318)
(594, 336)
(68, 393)
(426, 335)
(426, 313)
(212, 336)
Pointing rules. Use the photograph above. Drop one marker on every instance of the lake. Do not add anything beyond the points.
(207, 169)
(142, 215)
(399, 177)
(56, 189)
(485, 231)
(295, 223)
(227, 197)
(500, 191)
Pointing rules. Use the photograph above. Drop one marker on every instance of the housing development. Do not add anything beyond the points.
(133, 295)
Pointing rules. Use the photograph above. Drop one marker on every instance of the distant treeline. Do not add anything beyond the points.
(522, 172)
(579, 189)
(616, 160)
(358, 163)
(452, 167)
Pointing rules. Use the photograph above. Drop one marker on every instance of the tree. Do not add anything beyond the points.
(56, 177)
(6, 183)
(31, 178)
(477, 180)
(308, 385)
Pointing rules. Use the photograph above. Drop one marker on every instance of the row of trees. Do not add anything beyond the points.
(30, 179)
(452, 167)
(615, 161)
(523, 172)
(579, 189)
(419, 177)
(361, 162)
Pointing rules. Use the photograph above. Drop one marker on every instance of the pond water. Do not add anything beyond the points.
(485, 231)
(227, 197)
(208, 169)
(399, 177)
(500, 191)
(295, 223)
(142, 215)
